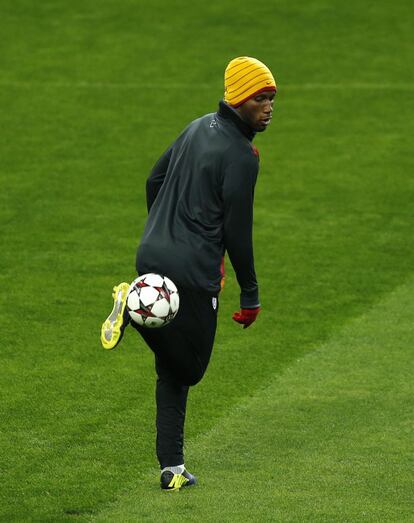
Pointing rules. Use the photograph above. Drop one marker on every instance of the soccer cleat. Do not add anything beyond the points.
(171, 482)
(113, 327)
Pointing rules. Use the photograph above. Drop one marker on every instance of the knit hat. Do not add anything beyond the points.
(244, 78)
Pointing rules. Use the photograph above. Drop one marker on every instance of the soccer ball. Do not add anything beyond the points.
(152, 300)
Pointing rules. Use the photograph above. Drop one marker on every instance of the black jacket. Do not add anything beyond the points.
(200, 202)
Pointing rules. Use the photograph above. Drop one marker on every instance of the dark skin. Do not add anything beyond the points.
(257, 111)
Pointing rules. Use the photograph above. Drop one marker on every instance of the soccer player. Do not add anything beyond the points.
(200, 205)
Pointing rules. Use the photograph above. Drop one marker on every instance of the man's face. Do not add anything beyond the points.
(257, 111)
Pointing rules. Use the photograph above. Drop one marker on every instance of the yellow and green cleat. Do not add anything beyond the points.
(113, 327)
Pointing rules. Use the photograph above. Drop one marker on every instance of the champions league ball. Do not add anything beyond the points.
(152, 300)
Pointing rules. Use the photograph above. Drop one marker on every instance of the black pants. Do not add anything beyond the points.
(182, 351)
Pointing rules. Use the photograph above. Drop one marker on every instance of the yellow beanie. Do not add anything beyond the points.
(244, 78)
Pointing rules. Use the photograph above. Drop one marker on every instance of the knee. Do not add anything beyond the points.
(192, 377)
(187, 372)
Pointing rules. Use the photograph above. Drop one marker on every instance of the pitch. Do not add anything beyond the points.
(286, 424)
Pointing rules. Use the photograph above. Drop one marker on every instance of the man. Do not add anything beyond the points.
(200, 204)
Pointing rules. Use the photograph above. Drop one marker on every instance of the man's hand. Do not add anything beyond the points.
(246, 316)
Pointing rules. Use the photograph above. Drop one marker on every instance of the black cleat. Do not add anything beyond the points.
(171, 482)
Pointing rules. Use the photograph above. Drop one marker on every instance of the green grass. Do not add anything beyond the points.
(90, 96)
(335, 439)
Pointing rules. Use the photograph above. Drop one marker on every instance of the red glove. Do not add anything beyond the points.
(246, 316)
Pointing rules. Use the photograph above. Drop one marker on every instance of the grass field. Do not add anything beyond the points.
(307, 415)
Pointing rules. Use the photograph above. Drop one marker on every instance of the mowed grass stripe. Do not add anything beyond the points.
(209, 86)
(329, 440)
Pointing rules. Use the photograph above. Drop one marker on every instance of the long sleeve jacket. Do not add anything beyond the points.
(200, 202)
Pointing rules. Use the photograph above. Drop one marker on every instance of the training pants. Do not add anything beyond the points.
(182, 351)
